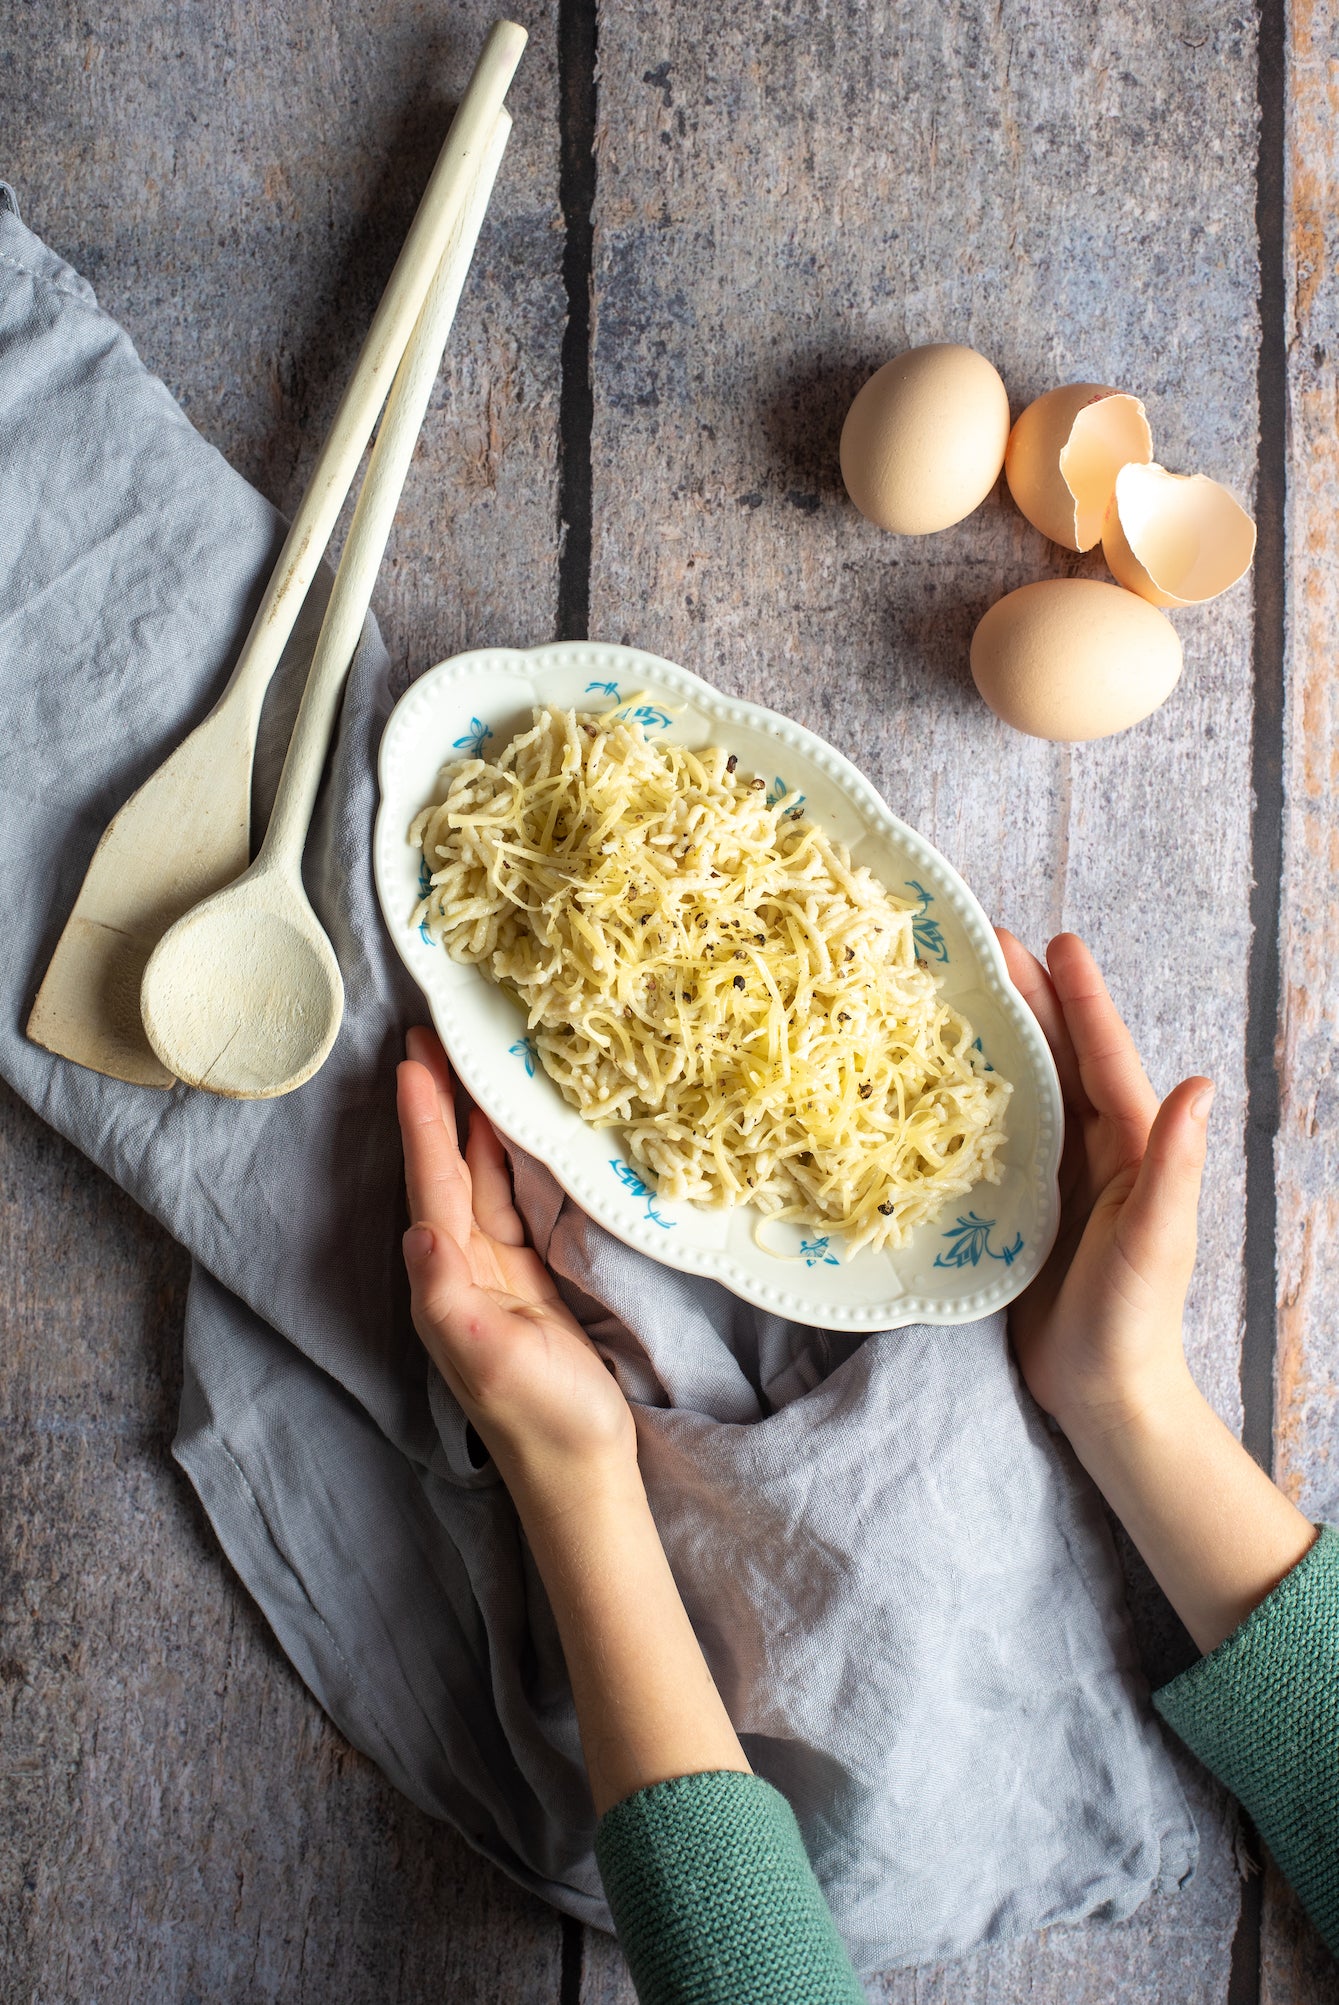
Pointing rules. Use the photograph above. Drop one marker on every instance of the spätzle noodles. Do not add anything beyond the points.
(705, 970)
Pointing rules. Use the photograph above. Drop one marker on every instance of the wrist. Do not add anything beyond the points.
(1131, 1414)
(1215, 1532)
(646, 1703)
(560, 1497)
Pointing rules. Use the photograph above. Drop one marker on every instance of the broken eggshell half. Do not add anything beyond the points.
(1175, 538)
(1065, 453)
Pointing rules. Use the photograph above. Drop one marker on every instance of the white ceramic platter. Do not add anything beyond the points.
(975, 1258)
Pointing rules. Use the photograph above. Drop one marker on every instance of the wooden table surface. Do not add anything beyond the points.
(712, 223)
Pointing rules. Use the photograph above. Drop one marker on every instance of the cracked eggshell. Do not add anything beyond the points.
(1065, 453)
(1175, 539)
(924, 440)
(1072, 658)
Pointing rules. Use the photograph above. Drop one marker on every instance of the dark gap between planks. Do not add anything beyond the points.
(1263, 1002)
(576, 397)
(573, 1959)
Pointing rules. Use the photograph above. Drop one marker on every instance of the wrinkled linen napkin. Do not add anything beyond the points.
(904, 1585)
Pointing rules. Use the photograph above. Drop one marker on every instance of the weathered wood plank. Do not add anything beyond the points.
(238, 186)
(784, 201)
(181, 1821)
(1297, 1968)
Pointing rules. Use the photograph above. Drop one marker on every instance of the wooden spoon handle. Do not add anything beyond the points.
(371, 526)
(401, 303)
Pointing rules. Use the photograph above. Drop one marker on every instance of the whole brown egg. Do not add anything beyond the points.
(924, 440)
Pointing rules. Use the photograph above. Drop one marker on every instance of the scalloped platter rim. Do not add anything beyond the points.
(961, 1266)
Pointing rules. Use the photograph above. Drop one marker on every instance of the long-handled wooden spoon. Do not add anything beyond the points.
(186, 831)
(244, 995)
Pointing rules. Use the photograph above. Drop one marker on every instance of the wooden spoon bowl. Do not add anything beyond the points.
(244, 995)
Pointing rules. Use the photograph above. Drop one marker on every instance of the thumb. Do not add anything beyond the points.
(459, 1324)
(1156, 1229)
(438, 1275)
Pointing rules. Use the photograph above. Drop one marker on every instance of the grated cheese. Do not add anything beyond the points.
(710, 973)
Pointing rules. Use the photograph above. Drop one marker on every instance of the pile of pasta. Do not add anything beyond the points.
(702, 968)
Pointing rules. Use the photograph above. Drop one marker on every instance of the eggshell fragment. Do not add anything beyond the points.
(1071, 658)
(1176, 539)
(924, 440)
(1064, 454)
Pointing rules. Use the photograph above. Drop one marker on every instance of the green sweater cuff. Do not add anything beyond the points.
(714, 1899)
(1262, 1711)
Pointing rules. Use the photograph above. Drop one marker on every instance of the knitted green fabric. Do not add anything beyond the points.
(1262, 1711)
(714, 1899)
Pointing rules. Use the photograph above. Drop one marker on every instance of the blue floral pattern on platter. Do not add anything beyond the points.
(777, 792)
(925, 931)
(970, 1238)
(474, 740)
(815, 1251)
(424, 887)
(630, 1180)
(525, 1048)
(977, 1045)
(649, 715)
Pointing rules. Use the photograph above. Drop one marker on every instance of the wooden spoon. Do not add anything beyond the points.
(243, 995)
(186, 831)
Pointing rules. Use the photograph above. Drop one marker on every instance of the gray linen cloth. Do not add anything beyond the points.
(904, 1585)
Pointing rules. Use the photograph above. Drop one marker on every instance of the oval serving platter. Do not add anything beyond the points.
(980, 1253)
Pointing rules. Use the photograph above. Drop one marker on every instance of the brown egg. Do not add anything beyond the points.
(1064, 454)
(1071, 658)
(1176, 539)
(924, 440)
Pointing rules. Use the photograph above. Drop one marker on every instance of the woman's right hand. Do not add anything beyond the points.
(537, 1391)
(562, 1436)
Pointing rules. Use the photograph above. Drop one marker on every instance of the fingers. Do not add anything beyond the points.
(459, 1323)
(1156, 1228)
(436, 1179)
(1033, 983)
(490, 1178)
(425, 1048)
(1113, 1078)
(495, 1212)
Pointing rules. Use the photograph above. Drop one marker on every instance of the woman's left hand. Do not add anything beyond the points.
(489, 1312)
(1098, 1333)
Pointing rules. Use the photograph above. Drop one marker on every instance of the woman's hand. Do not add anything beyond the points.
(489, 1312)
(563, 1438)
(1098, 1334)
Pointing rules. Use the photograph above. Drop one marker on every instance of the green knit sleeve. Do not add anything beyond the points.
(1262, 1711)
(714, 1899)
